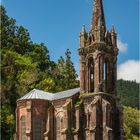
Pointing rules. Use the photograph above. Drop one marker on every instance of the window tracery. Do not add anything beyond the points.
(37, 129)
(23, 128)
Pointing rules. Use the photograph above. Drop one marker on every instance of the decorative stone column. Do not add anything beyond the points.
(96, 74)
(87, 77)
(109, 83)
(76, 130)
(115, 76)
(50, 134)
(77, 117)
(82, 74)
(65, 131)
(46, 134)
(101, 73)
(16, 136)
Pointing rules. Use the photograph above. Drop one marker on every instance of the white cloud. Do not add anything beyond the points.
(122, 46)
(78, 78)
(129, 70)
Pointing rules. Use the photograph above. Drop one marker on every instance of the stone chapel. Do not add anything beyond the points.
(91, 112)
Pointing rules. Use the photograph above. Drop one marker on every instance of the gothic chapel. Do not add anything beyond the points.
(91, 112)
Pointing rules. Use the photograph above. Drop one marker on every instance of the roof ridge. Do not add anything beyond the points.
(67, 90)
(40, 94)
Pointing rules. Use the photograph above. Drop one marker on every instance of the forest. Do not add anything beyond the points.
(26, 65)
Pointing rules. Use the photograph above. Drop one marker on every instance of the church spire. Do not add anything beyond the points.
(98, 13)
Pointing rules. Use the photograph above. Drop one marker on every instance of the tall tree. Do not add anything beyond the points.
(40, 55)
(70, 72)
(65, 73)
(23, 66)
(128, 92)
(27, 65)
(131, 123)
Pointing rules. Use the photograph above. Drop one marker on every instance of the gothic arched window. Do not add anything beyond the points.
(105, 76)
(91, 74)
(99, 69)
(23, 128)
(37, 129)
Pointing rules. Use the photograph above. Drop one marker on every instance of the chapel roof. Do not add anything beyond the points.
(39, 94)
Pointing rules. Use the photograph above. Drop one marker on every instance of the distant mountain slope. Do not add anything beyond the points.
(128, 92)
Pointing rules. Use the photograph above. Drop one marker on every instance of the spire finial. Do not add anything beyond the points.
(98, 12)
(113, 29)
(91, 27)
(83, 28)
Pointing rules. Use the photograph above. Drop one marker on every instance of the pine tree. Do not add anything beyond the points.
(70, 72)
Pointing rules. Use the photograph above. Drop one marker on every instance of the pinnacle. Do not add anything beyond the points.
(98, 15)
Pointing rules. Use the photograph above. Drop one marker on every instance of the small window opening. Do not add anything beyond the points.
(91, 75)
(105, 77)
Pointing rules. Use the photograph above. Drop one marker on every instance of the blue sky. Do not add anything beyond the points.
(57, 23)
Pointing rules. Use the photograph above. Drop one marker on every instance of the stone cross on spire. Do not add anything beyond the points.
(98, 13)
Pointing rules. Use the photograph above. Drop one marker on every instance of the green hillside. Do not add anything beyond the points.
(128, 92)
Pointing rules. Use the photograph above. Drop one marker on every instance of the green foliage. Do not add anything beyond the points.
(40, 55)
(64, 73)
(26, 65)
(7, 123)
(13, 38)
(14, 68)
(131, 123)
(70, 73)
(46, 84)
(128, 92)
(78, 102)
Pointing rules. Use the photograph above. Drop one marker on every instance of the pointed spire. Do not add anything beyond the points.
(98, 14)
(90, 27)
(83, 29)
(113, 29)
